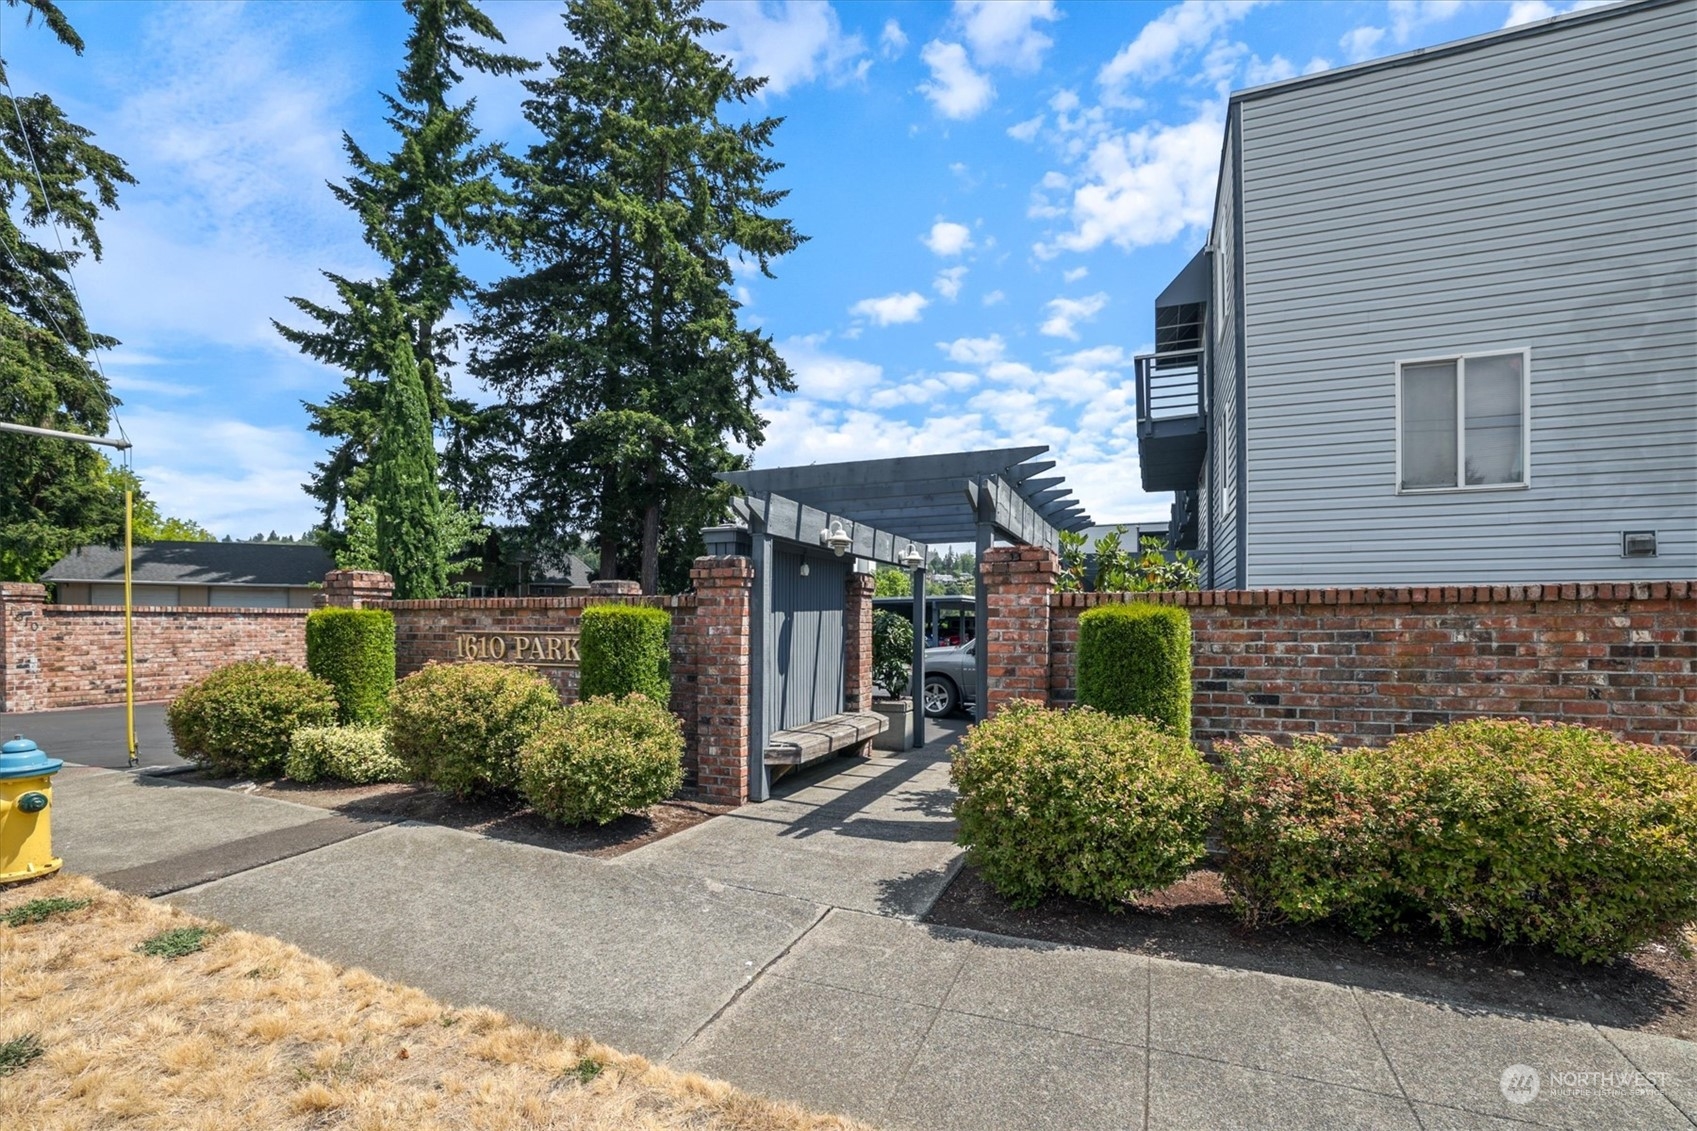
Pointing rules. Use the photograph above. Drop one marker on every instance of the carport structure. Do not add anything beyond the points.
(893, 510)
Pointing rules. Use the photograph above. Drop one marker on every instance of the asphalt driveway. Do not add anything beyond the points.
(94, 736)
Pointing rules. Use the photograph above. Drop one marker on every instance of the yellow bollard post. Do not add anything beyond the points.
(26, 796)
(129, 641)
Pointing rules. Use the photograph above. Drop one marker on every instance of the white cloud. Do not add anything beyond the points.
(1144, 187)
(995, 298)
(891, 309)
(974, 351)
(827, 376)
(1169, 38)
(949, 282)
(956, 89)
(1531, 11)
(1003, 33)
(1026, 130)
(1075, 274)
(1065, 313)
(790, 43)
(893, 40)
(1361, 43)
(1409, 16)
(946, 238)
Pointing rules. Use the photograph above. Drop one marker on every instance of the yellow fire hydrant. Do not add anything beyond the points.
(26, 795)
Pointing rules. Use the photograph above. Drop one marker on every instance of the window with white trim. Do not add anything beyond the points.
(1462, 421)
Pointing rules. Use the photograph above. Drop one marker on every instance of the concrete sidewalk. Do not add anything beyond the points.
(778, 948)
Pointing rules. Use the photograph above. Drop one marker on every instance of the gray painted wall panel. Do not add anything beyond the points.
(1535, 191)
(1221, 465)
(805, 680)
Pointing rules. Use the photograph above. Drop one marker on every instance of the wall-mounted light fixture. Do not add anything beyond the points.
(911, 557)
(836, 539)
(804, 569)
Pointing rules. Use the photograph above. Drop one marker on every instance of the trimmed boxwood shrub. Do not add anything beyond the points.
(353, 650)
(359, 755)
(624, 649)
(602, 758)
(1493, 829)
(239, 719)
(1135, 660)
(1080, 803)
(460, 726)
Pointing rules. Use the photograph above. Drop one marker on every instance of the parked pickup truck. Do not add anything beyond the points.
(951, 678)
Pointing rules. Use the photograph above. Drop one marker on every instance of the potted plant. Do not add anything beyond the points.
(892, 669)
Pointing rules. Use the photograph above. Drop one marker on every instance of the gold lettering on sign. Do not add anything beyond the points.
(533, 649)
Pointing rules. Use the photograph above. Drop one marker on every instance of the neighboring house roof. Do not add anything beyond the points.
(574, 572)
(198, 563)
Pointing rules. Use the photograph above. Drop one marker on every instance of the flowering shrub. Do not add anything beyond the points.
(602, 758)
(1491, 829)
(356, 754)
(460, 726)
(1080, 803)
(238, 720)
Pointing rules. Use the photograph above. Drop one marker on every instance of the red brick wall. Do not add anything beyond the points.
(718, 636)
(857, 642)
(429, 630)
(1018, 582)
(1367, 663)
(73, 655)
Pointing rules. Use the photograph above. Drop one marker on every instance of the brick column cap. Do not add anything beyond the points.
(22, 591)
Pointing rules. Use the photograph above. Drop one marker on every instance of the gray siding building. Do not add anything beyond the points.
(1445, 326)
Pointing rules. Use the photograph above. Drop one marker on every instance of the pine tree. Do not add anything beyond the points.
(403, 483)
(618, 349)
(54, 494)
(418, 206)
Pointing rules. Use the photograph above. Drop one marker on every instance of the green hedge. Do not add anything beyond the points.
(356, 754)
(1080, 803)
(353, 650)
(602, 758)
(624, 649)
(1135, 660)
(239, 719)
(460, 726)
(1492, 829)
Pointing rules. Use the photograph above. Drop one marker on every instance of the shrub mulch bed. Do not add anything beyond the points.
(1654, 990)
(501, 817)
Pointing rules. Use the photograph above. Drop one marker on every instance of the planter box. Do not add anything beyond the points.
(899, 735)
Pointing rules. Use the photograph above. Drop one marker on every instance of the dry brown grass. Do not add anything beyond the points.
(252, 1033)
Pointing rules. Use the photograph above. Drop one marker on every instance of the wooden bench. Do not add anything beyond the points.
(847, 733)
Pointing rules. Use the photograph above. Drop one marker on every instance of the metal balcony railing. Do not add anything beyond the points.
(1169, 386)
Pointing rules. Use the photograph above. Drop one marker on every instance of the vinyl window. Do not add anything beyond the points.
(1463, 422)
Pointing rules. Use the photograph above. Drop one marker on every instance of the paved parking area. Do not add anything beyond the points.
(94, 736)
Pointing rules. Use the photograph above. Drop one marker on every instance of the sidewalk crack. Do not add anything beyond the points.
(1380, 1045)
(737, 993)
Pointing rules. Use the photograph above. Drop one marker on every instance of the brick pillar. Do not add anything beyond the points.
(23, 679)
(719, 640)
(1018, 581)
(352, 588)
(619, 588)
(857, 642)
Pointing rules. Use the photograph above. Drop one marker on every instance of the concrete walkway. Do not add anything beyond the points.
(778, 948)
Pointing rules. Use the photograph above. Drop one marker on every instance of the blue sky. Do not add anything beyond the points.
(994, 194)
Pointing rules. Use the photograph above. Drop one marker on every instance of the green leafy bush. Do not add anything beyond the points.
(892, 651)
(623, 649)
(1135, 660)
(602, 758)
(1080, 803)
(356, 754)
(238, 720)
(1492, 829)
(353, 650)
(460, 726)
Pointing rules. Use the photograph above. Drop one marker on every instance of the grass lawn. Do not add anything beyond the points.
(120, 1012)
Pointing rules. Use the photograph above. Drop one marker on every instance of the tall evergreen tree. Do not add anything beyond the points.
(418, 206)
(618, 348)
(54, 494)
(403, 482)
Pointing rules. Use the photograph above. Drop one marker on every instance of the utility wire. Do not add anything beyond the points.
(70, 277)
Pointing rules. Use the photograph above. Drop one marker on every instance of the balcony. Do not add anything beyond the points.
(1172, 419)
